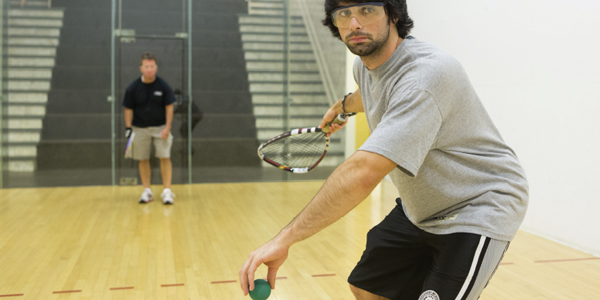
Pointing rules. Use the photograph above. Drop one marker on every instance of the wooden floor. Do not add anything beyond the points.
(99, 243)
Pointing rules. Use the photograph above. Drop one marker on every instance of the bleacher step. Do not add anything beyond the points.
(29, 73)
(35, 52)
(36, 13)
(41, 23)
(30, 41)
(28, 98)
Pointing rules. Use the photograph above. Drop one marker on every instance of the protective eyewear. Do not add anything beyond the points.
(365, 14)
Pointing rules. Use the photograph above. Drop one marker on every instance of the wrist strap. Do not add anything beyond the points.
(344, 106)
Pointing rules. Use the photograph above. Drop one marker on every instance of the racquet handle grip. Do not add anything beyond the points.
(340, 119)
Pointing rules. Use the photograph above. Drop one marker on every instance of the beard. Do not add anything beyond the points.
(369, 47)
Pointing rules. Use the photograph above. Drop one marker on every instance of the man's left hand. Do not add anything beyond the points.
(272, 254)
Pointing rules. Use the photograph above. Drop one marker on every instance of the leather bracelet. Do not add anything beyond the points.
(343, 104)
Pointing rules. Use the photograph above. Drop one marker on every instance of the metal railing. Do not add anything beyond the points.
(318, 51)
(2, 95)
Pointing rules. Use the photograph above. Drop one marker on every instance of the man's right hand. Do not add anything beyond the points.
(128, 132)
(330, 115)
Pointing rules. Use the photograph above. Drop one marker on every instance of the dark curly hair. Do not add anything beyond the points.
(395, 9)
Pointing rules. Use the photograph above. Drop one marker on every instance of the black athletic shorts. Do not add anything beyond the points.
(404, 262)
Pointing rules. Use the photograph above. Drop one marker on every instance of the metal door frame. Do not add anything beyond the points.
(120, 33)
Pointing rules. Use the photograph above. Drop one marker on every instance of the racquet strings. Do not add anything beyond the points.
(297, 151)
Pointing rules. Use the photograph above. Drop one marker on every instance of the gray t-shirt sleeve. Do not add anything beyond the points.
(408, 129)
(357, 68)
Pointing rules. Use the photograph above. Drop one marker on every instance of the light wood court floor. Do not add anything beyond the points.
(99, 243)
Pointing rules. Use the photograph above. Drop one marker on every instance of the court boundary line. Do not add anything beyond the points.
(66, 292)
(122, 288)
(223, 281)
(323, 275)
(173, 284)
(567, 259)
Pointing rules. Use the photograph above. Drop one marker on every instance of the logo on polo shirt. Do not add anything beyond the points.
(158, 93)
(429, 295)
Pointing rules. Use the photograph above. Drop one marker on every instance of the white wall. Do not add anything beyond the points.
(536, 66)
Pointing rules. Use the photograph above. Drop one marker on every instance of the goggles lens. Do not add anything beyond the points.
(365, 13)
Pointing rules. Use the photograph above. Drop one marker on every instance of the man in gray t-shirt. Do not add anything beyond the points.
(455, 173)
(463, 193)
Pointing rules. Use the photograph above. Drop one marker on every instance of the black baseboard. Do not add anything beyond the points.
(65, 155)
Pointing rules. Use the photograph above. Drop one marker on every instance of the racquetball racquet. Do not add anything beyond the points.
(299, 150)
(129, 148)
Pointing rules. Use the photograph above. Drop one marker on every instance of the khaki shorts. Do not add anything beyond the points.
(144, 137)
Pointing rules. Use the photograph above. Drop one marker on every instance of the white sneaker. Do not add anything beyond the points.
(146, 196)
(167, 196)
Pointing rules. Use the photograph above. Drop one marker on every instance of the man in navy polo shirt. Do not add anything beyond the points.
(148, 115)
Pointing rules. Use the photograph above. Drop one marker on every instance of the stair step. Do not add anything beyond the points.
(37, 13)
(30, 3)
(294, 106)
(21, 166)
(20, 137)
(31, 62)
(279, 66)
(268, 46)
(24, 22)
(266, 12)
(20, 151)
(256, 77)
(294, 123)
(276, 122)
(296, 111)
(279, 87)
(14, 73)
(296, 99)
(28, 85)
(41, 98)
(38, 32)
(32, 51)
(277, 29)
(26, 110)
(30, 41)
(271, 12)
(266, 4)
(271, 56)
(24, 124)
(268, 20)
(271, 38)
(271, 8)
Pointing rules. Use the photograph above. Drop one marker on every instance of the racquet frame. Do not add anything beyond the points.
(292, 133)
(340, 119)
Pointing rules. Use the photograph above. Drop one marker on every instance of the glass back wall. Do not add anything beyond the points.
(244, 71)
(159, 28)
